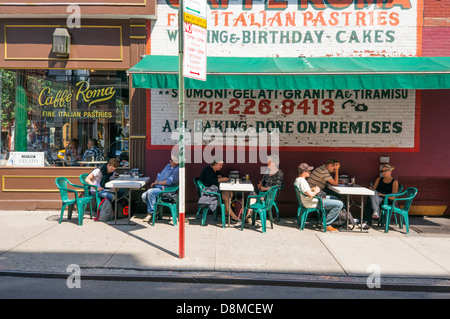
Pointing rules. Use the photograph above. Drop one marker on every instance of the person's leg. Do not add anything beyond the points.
(376, 201)
(225, 197)
(332, 194)
(122, 192)
(332, 208)
(144, 197)
(368, 211)
(149, 198)
(105, 194)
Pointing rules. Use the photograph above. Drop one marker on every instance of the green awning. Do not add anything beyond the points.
(270, 73)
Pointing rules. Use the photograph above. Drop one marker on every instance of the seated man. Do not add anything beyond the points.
(332, 206)
(103, 174)
(167, 177)
(93, 152)
(211, 177)
(322, 175)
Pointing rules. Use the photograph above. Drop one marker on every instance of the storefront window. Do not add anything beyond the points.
(63, 113)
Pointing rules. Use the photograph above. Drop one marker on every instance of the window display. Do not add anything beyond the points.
(74, 116)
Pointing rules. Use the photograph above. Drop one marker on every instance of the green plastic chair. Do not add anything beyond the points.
(160, 204)
(205, 208)
(263, 207)
(199, 193)
(87, 188)
(62, 183)
(302, 211)
(380, 219)
(387, 210)
(275, 204)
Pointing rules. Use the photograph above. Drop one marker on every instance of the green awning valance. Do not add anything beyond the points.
(299, 73)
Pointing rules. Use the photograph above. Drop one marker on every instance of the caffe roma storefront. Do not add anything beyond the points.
(52, 92)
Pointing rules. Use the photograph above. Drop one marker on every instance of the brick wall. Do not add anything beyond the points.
(436, 8)
(436, 28)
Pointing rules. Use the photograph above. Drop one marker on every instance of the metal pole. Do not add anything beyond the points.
(181, 124)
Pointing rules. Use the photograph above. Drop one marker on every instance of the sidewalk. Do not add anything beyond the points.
(33, 241)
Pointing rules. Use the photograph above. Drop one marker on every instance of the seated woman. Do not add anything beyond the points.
(385, 184)
(73, 152)
(273, 177)
(211, 176)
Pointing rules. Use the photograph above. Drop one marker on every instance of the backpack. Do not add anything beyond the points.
(342, 219)
(171, 197)
(122, 208)
(105, 211)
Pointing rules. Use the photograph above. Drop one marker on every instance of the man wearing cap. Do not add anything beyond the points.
(167, 177)
(331, 206)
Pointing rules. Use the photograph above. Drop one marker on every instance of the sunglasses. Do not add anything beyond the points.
(384, 170)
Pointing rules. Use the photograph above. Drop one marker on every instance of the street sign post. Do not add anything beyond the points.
(195, 35)
(195, 7)
(191, 63)
(194, 64)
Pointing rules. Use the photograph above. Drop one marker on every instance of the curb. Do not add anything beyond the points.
(331, 283)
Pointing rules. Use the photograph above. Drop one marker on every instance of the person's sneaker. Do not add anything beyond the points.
(147, 218)
(236, 223)
(332, 229)
(364, 226)
(375, 215)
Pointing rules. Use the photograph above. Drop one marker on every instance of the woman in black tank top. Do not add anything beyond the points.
(385, 188)
(383, 185)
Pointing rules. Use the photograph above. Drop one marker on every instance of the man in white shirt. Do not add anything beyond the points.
(332, 206)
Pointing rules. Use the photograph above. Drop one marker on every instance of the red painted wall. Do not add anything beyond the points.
(432, 160)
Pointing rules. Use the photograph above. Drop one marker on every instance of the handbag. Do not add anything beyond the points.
(342, 219)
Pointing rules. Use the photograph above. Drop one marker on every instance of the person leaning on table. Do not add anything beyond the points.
(212, 177)
(169, 176)
(332, 206)
(322, 175)
(102, 175)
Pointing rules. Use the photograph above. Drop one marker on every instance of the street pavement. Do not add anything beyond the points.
(35, 244)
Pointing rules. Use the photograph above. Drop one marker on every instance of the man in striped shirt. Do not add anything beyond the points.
(93, 152)
(322, 174)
